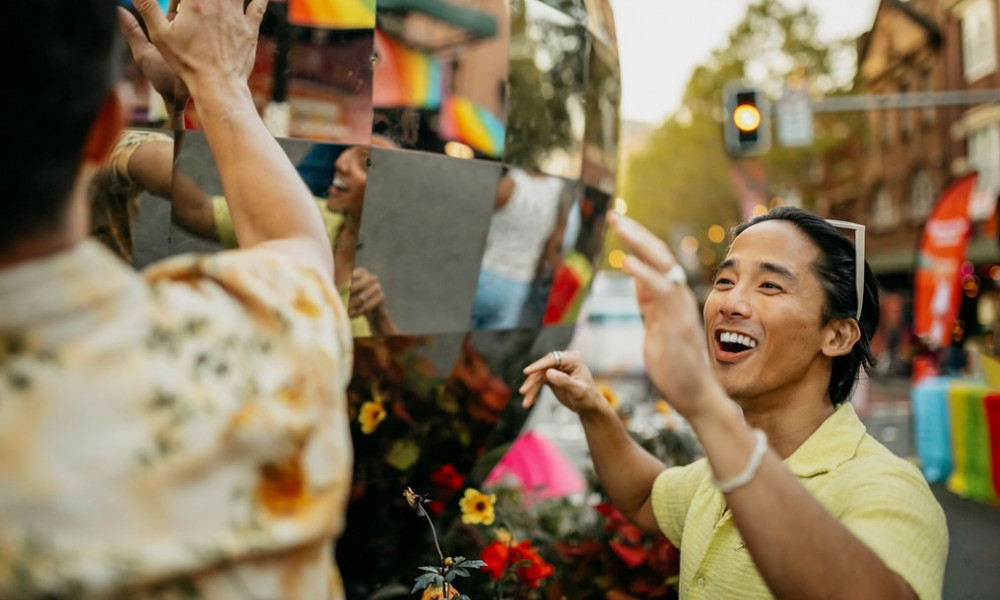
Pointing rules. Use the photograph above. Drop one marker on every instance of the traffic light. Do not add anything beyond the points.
(746, 124)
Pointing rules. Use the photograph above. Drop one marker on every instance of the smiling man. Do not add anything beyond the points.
(793, 498)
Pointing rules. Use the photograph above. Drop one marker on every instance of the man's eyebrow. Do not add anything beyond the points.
(768, 267)
(726, 264)
(778, 270)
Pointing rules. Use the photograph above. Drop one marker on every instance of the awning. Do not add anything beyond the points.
(477, 23)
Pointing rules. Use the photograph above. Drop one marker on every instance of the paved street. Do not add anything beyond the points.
(973, 570)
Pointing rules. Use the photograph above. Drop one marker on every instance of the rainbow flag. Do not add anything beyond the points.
(405, 76)
(332, 14)
(462, 120)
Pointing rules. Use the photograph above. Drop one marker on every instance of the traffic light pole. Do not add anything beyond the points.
(907, 100)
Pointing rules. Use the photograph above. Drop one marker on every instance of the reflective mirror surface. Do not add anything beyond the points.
(426, 218)
(439, 74)
(523, 250)
(545, 92)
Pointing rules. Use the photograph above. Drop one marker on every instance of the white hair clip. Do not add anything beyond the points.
(859, 258)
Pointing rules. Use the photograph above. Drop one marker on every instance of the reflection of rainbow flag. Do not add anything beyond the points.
(404, 76)
(332, 14)
(465, 121)
(164, 4)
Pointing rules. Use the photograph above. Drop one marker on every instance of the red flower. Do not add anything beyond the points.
(633, 556)
(521, 558)
(448, 478)
(495, 557)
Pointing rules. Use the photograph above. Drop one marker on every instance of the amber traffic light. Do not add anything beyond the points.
(746, 129)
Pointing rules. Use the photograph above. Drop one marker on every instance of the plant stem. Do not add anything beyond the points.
(435, 536)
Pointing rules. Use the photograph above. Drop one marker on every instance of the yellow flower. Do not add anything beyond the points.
(477, 507)
(662, 407)
(372, 413)
(609, 395)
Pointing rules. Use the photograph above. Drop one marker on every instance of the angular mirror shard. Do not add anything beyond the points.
(336, 175)
(130, 210)
(439, 73)
(311, 82)
(546, 90)
(425, 222)
(523, 250)
(582, 243)
(600, 156)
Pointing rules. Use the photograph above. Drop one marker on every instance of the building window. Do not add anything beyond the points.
(884, 214)
(923, 193)
(873, 138)
(979, 50)
(927, 85)
(905, 116)
(984, 156)
(885, 126)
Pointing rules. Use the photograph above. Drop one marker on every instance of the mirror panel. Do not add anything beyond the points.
(600, 158)
(439, 75)
(582, 243)
(546, 91)
(426, 219)
(523, 250)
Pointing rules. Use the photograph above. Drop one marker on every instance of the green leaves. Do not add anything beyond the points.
(451, 569)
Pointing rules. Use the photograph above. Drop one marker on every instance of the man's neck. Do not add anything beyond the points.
(788, 422)
(62, 235)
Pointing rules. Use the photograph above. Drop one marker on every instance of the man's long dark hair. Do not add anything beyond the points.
(835, 270)
(58, 71)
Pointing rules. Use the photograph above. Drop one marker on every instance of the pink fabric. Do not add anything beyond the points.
(539, 466)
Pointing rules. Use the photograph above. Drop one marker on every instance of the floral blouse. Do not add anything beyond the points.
(177, 434)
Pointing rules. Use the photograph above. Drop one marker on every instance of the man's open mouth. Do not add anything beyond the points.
(730, 341)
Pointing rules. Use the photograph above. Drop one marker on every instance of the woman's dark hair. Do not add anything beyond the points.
(835, 270)
(60, 68)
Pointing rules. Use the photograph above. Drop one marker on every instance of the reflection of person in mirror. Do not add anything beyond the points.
(180, 432)
(146, 161)
(793, 498)
(524, 233)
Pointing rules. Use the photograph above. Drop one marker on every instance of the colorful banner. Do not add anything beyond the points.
(332, 14)
(404, 76)
(463, 120)
(937, 292)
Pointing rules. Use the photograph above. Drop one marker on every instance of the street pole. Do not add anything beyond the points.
(905, 100)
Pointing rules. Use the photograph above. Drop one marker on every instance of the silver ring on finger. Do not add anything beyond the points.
(676, 274)
(558, 356)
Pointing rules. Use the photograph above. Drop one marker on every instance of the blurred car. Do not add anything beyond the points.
(609, 331)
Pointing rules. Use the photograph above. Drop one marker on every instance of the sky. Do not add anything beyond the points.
(661, 41)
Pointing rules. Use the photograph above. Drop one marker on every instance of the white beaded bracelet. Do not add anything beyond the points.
(756, 457)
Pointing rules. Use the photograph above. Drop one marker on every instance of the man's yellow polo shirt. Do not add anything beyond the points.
(879, 497)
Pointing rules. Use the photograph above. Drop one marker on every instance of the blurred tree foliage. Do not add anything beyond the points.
(680, 184)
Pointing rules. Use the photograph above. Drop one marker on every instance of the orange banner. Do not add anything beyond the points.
(937, 293)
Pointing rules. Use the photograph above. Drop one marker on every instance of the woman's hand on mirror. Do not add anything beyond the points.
(366, 293)
(207, 43)
(152, 64)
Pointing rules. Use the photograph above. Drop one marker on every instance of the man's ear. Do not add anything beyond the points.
(839, 337)
(105, 130)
